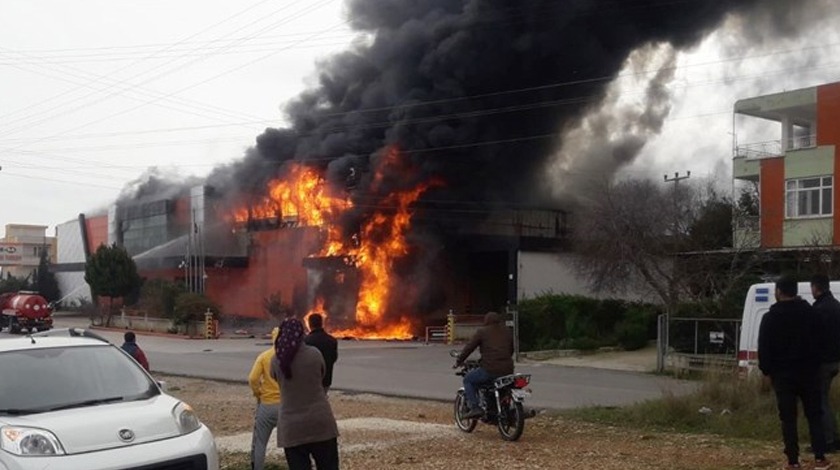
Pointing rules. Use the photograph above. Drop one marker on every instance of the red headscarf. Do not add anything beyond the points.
(288, 343)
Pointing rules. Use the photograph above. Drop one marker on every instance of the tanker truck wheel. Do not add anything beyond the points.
(14, 328)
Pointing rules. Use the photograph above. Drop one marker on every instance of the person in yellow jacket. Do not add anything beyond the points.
(267, 392)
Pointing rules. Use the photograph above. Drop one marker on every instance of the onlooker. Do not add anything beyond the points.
(267, 392)
(130, 346)
(325, 343)
(827, 309)
(495, 343)
(787, 354)
(306, 427)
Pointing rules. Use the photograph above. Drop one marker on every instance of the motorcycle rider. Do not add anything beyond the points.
(495, 343)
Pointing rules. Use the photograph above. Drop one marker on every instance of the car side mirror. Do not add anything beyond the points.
(162, 385)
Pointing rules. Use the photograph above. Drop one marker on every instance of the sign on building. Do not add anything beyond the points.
(11, 253)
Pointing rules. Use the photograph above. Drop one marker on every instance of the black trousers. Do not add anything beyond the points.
(325, 454)
(805, 387)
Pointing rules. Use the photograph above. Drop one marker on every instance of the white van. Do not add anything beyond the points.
(759, 299)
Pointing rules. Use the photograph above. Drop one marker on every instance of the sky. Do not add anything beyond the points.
(93, 94)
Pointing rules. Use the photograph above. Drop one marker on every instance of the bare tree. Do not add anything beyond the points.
(675, 242)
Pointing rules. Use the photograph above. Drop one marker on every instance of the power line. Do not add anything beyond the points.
(164, 73)
(226, 19)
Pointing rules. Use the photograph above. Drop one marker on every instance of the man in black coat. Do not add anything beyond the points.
(827, 309)
(788, 353)
(325, 343)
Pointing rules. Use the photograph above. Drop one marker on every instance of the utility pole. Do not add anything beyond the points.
(664, 321)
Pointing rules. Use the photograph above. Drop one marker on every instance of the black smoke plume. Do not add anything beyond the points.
(472, 91)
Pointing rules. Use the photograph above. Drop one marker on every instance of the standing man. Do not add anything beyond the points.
(130, 346)
(827, 309)
(788, 356)
(495, 343)
(267, 392)
(325, 343)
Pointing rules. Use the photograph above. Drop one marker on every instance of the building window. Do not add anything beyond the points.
(809, 197)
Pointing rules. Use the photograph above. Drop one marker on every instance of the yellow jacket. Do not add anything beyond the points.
(264, 387)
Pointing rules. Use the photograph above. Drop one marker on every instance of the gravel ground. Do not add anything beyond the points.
(384, 433)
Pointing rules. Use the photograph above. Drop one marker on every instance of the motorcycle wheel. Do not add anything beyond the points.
(466, 425)
(511, 422)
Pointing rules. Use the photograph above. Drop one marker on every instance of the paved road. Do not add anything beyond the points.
(401, 369)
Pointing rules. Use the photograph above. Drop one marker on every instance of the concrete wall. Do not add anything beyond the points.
(808, 232)
(71, 253)
(542, 273)
(805, 163)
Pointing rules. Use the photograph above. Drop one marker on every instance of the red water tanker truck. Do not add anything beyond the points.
(25, 311)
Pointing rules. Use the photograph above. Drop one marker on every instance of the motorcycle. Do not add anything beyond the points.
(501, 402)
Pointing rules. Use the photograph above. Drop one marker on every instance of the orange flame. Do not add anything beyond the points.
(381, 242)
(300, 196)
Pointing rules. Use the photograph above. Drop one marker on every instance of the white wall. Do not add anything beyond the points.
(71, 250)
(71, 247)
(541, 273)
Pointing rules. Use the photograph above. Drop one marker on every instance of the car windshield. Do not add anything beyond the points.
(40, 380)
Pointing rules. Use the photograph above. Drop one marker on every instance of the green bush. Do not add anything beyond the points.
(576, 322)
(157, 297)
(191, 306)
(632, 332)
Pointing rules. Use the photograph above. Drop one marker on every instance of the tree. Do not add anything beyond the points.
(275, 307)
(191, 306)
(45, 282)
(14, 284)
(157, 297)
(672, 241)
(111, 273)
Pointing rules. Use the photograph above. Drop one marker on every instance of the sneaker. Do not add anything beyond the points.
(822, 464)
(472, 414)
(792, 466)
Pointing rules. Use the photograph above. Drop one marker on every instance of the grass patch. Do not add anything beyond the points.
(731, 407)
(242, 461)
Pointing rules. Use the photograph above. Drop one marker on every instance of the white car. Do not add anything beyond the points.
(70, 400)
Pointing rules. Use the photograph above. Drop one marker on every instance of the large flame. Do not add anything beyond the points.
(299, 196)
(303, 194)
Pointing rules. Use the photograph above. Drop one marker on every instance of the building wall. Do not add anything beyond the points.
(808, 232)
(772, 202)
(275, 264)
(70, 259)
(809, 162)
(554, 272)
(21, 248)
(97, 231)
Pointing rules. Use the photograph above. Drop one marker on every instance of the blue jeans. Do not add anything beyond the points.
(472, 381)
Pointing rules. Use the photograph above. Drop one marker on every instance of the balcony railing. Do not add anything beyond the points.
(773, 148)
(768, 149)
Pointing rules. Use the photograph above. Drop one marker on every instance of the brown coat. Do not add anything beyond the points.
(495, 343)
(305, 416)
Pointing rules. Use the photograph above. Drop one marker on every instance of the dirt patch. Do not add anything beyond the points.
(380, 432)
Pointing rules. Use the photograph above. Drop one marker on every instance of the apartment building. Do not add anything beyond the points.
(20, 249)
(795, 174)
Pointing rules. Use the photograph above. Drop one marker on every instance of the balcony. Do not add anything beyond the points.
(774, 148)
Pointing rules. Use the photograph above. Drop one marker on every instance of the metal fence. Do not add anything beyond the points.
(698, 343)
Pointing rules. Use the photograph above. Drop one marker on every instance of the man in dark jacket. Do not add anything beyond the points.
(130, 346)
(495, 343)
(788, 354)
(325, 343)
(827, 309)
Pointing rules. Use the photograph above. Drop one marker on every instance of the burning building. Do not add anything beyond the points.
(412, 178)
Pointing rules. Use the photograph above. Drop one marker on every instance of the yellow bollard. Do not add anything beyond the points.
(450, 328)
(209, 325)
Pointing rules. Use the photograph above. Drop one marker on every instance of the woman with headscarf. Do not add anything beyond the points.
(306, 427)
